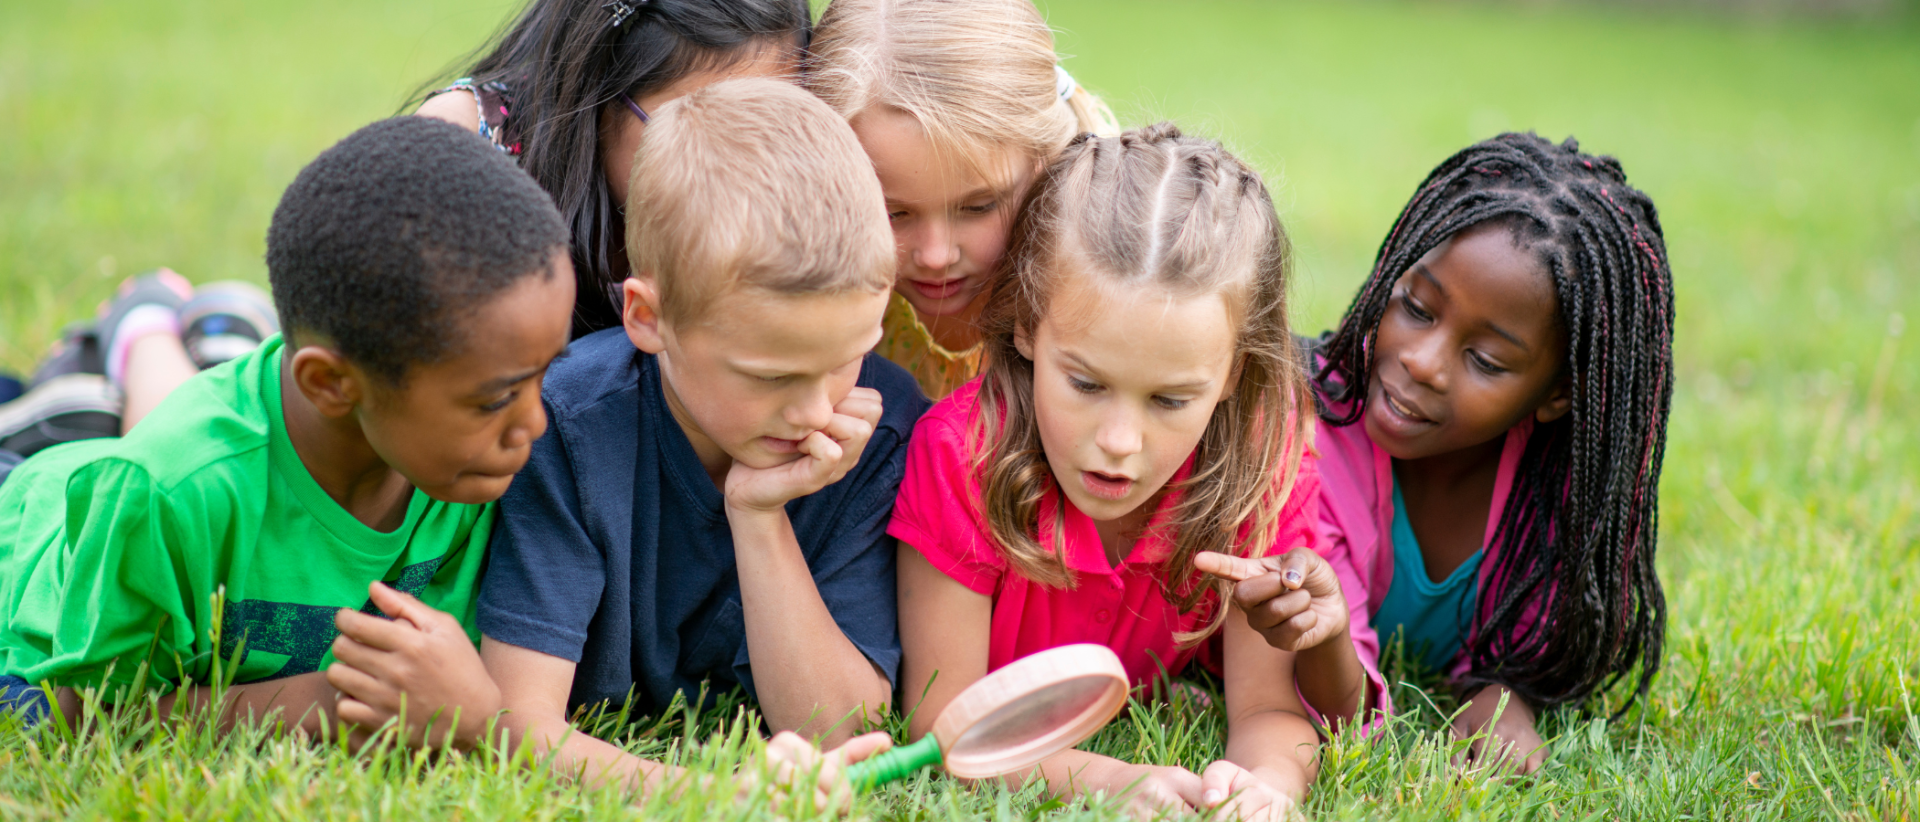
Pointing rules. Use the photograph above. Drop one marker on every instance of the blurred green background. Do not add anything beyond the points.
(1783, 150)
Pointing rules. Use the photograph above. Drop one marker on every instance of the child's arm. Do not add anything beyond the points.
(944, 632)
(807, 674)
(1510, 739)
(533, 691)
(1271, 746)
(1294, 601)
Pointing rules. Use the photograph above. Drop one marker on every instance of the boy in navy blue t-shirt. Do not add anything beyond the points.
(710, 501)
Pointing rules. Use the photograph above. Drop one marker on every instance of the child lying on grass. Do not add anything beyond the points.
(337, 475)
(422, 281)
(711, 503)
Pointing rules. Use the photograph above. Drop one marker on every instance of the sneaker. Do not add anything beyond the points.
(77, 352)
(144, 304)
(225, 320)
(63, 409)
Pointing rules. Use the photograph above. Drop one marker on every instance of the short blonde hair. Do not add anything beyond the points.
(978, 76)
(754, 182)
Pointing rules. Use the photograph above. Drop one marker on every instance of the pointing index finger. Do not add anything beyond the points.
(1238, 569)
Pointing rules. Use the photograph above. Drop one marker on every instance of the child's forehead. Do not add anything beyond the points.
(914, 163)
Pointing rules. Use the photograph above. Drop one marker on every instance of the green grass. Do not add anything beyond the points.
(1785, 157)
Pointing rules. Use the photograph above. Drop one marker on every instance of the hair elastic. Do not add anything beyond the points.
(622, 9)
(635, 108)
(1063, 83)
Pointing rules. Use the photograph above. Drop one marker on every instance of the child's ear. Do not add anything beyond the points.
(1023, 342)
(641, 314)
(327, 380)
(1558, 402)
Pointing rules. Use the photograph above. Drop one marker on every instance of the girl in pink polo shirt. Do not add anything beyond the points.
(1494, 413)
(1142, 401)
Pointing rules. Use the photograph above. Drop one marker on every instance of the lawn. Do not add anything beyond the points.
(1785, 157)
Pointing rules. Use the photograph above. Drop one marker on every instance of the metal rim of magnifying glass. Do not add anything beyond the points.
(1067, 663)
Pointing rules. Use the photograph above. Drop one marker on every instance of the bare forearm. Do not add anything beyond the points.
(1071, 773)
(808, 675)
(1278, 747)
(593, 761)
(1332, 680)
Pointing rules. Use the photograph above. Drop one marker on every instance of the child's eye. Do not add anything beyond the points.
(498, 404)
(1484, 364)
(771, 380)
(978, 209)
(896, 216)
(1414, 309)
(1083, 386)
(1170, 403)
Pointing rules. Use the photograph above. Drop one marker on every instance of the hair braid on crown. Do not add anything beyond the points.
(1572, 604)
(1151, 208)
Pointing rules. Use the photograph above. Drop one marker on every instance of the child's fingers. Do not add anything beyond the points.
(398, 604)
(1238, 569)
(825, 453)
(354, 712)
(1297, 565)
(386, 635)
(862, 403)
(359, 685)
(844, 428)
(1217, 782)
(1267, 616)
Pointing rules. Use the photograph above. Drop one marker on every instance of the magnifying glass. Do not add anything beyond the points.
(1013, 718)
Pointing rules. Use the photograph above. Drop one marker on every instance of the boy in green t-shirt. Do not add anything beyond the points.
(424, 284)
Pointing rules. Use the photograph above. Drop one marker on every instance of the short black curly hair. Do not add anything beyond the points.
(386, 240)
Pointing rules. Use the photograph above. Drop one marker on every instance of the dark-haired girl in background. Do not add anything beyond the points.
(566, 89)
(1494, 410)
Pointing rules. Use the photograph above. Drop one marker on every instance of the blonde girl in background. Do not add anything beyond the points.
(960, 106)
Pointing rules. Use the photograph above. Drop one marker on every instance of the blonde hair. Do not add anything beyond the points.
(1151, 208)
(979, 76)
(754, 182)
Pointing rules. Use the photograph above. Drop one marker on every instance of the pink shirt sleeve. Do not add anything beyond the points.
(937, 511)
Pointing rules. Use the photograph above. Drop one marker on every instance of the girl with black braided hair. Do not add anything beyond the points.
(1493, 414)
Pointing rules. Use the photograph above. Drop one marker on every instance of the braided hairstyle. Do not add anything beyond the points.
(563, 61)
(1150, 208)
(1572, 602)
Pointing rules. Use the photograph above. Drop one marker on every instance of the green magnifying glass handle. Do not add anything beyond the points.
(894, 765)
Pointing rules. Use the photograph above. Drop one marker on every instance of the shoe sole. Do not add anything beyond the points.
(59, 398)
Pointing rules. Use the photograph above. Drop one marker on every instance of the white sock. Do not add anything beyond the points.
(140, 322)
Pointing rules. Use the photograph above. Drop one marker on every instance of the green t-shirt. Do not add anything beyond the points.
(112, 550)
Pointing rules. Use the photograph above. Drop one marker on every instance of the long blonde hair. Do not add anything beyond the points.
(1151, 207)
(979, 76)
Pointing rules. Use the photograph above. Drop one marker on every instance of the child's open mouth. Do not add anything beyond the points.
(939, 291)
(1106, 486)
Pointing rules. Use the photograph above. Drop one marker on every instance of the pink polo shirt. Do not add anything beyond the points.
(938, 512)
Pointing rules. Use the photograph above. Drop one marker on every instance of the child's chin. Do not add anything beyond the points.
(471, 489)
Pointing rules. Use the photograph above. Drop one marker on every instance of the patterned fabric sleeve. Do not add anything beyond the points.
(492, 102)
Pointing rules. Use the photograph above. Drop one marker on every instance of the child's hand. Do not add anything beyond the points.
(826, 455)
(790, 757)
(1510, 742)
(1237, 794)
(1293, 600)
(422, 655)
(1151, 791)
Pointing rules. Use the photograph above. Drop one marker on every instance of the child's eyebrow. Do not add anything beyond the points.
(1191, 385)
(1495, 328)
(498, 383)
(1421, 269)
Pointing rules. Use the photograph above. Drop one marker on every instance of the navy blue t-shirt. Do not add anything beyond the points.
(612, 548)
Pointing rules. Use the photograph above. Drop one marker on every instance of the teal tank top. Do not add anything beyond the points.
(1430, 616)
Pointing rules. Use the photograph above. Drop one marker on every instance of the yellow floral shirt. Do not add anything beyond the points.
(907, 342)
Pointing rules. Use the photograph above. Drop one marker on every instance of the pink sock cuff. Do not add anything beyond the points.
(140, 322)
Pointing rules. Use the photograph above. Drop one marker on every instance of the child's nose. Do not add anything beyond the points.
(935, 249)
(812, 411)
(530, 426)
(1118, 435)
(1425, 361)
